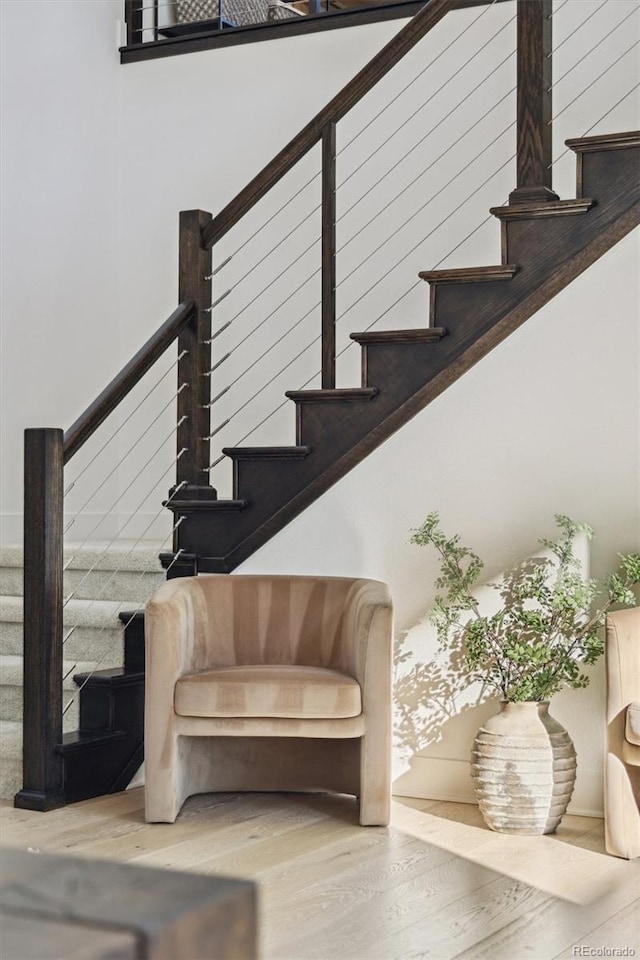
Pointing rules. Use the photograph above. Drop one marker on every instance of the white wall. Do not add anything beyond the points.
(99, 158)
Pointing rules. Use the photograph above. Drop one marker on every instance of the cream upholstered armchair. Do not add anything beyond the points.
(268, 683)
(622, 772)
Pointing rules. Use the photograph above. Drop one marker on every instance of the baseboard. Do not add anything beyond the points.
(449, 779)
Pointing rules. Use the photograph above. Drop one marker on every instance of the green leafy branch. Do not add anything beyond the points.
(534, 645)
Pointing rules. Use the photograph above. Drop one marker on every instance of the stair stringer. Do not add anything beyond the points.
(563, 248)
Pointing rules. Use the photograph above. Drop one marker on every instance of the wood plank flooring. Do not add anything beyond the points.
(436, 884)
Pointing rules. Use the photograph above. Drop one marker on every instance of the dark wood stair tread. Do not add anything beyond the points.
(604, 141)
(111, 677)
(266, 453)
(419, 335)
(206, 506)
(78, 741)
(544, 208)
(350, 394)
(469, 274)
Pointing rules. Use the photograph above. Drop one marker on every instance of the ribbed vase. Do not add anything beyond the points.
(523, 765)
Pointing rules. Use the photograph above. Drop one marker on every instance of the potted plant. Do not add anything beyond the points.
(523, 761)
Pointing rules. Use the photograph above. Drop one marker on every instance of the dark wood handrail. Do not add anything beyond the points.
(106, 402)
(392, 53)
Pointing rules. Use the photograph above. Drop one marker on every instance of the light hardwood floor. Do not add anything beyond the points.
(437, 883)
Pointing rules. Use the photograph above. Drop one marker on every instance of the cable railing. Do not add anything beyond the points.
(95, 491)
(592, 36)
(395, 175)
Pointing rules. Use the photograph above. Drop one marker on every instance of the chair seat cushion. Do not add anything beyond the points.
(269, 690)
(632, 725)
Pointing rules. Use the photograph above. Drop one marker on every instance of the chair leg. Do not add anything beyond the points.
(164, 780)
(375, 782)
(621, 802)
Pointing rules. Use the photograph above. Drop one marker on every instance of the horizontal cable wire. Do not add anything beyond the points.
(267, 222)
(595, 47)
(315, 273)
(368, 124)
(166, 3)
(423, 172)
(558, 9)
(352, 343)
(379, 280)
(139, 606)
(358, 134)
(140, 538)
(371, 155)
(599, 77)
(426, 102)
(593, 125)
(562, 42)
(105, 551)
(447, 116)
(437, 227)
(419, 75)
(276, 278)
(108, 547)
(120, 495)
(262, 260)
(125, 422)
(124, 456)
(414, 285)
(356, 268)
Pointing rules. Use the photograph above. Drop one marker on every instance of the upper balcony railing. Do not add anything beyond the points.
(162, 28)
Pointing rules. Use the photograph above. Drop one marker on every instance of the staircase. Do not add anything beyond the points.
(546, 242)
(545, 245)
(105, 592)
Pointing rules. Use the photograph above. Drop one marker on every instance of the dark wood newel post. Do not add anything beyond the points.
(192, 443)
(43, 537)
(194, 283)
(329, 257)
(534, 29)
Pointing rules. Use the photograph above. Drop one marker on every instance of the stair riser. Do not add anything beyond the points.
(613, 182)
(85, 643)
(261, 483)
(593, 167)
(383, 361)
(316, 422)
(94, 585)
(454, 300)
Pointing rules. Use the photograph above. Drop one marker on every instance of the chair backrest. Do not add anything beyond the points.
(310, 621)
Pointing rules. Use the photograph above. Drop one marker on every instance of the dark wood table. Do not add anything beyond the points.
(66, 908)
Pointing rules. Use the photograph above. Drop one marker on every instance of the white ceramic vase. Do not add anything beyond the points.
(523, 765)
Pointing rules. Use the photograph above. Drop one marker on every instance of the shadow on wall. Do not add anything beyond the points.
(437, 712)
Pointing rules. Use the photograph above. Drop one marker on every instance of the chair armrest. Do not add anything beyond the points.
(171, 626)
(367, 640)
